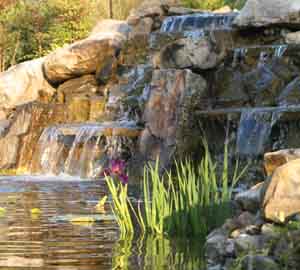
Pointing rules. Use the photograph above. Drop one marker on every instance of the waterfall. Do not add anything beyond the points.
(254, 131)
(261, 53)
(197, 21)
(81, 149)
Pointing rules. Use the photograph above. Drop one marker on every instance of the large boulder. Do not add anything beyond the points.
(273, 160)
(260, 13)
(189, 53)
(282, 197)
(83, 57)
(175, 94)
(23, 83)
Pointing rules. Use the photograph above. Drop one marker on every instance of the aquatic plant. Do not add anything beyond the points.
(12, 172)
(213, 4)
(191, 200)
(117, 182)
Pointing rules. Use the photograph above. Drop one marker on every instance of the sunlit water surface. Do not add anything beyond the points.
(37, 232)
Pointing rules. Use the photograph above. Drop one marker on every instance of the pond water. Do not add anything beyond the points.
(39, 229)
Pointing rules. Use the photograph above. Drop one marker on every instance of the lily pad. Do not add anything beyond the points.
(75, 219)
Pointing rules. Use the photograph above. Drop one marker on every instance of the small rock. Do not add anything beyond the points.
(215, 248)
(251, 200)
(269, 230)
(244, 243)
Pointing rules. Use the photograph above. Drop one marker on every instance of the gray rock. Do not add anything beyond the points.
(259, 13)
(215, 248)
(188, 53)
(245, 243)
(251, 200)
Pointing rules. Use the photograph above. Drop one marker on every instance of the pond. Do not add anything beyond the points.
(53, 223)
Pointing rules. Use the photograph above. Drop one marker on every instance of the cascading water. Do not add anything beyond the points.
(195, 24)
(262, 53)
(82, 149)
(254, 131)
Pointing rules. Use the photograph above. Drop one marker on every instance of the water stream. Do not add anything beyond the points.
(198, 21)
(254, 131)
(77, 149)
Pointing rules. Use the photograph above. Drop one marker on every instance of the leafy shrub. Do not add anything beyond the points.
(31, 29)
(213, 4)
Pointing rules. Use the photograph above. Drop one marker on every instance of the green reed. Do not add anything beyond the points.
(121, 206)
(190, 200)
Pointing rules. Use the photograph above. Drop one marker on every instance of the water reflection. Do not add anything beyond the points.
(50, 240)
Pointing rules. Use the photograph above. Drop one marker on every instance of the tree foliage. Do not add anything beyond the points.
(33, 28)
(213, 4)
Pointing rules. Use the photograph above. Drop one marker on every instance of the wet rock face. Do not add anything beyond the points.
(258, 13)
(174, 95)
(23, 83)
(188, 53)
(281, 200)
(83, 57)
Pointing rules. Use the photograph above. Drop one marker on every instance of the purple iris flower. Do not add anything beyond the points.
(124, 178)
(117, 168)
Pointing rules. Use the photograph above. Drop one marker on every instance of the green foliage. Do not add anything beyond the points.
(192, 201)
(213, 4)
(31, 29)
(121, 206)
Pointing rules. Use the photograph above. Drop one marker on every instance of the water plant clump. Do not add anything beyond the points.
(191, 200)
